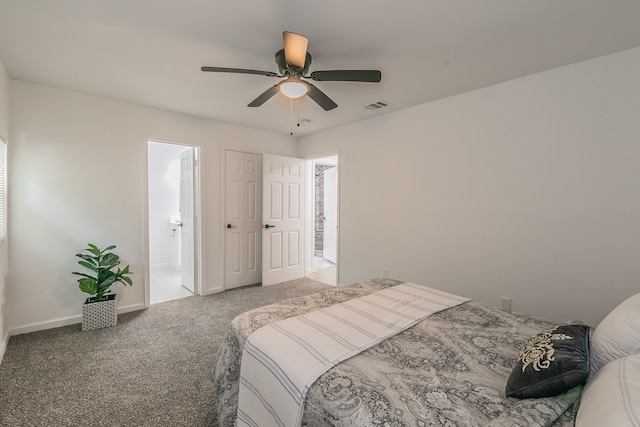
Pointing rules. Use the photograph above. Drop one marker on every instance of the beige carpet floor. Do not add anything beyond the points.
(154, 368)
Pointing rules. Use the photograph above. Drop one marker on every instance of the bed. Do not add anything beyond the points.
(449, 369)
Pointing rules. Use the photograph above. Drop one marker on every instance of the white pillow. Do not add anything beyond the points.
(618, 335)
(612, 396)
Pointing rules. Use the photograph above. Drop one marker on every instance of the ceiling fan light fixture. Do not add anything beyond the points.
(293, 88)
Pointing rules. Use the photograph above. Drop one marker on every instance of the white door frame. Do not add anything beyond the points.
(197, 217)
(310, 211)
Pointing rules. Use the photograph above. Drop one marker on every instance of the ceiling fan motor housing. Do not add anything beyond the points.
(291, 70)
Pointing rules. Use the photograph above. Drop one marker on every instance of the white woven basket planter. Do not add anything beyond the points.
(99, 314)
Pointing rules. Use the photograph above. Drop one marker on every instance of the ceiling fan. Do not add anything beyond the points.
(293, 63)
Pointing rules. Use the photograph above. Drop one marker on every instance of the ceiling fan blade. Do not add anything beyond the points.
(320, 98)
(373, 76)
(264, 97)
(295, 48)
(239, 71)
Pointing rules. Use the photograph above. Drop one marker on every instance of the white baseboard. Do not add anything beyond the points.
(132, 307)
(65, 321)
(48, 324)
(211, 291)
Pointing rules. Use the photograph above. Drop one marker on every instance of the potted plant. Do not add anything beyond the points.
(99, 310)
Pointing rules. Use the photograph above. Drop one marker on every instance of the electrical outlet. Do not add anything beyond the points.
(385, 273)
(505, 303)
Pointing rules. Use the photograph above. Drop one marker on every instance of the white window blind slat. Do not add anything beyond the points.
(3, 188)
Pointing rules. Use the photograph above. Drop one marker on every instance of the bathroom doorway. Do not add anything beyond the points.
(173, 238)
(325, 219)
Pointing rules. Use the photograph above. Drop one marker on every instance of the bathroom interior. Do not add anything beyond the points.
(165, 270)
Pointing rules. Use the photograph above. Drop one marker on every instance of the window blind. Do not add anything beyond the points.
(3, 188)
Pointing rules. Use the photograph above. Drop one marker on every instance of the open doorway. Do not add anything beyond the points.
(325, 219)
(172, 238)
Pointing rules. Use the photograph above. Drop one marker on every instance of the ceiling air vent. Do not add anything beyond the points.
(377, 105)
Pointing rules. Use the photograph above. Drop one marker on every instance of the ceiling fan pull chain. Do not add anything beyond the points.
(291, 115)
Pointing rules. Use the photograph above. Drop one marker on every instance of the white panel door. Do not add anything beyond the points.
(283, 219)
(187, 243)
(243, 236)
(330, 233)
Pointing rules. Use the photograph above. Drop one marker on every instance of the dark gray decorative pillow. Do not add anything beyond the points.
(551, 362)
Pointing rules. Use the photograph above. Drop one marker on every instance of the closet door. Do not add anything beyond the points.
(283, 219)
(243, 235)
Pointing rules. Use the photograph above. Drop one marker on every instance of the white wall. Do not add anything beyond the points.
(528, 189)
(164, 201)
(77, 173)
(4, 246)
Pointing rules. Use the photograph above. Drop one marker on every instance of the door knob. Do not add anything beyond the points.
(231, 226)
(269, 226)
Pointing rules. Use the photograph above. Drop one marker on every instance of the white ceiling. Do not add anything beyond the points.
(149, 52)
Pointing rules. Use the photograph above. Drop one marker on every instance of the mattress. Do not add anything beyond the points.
(448, 369)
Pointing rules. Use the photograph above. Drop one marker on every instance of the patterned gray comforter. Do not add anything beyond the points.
(448, 370)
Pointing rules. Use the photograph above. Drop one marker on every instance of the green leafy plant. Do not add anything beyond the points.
(102, 262)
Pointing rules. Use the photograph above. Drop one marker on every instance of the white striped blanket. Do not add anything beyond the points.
(280, 361)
